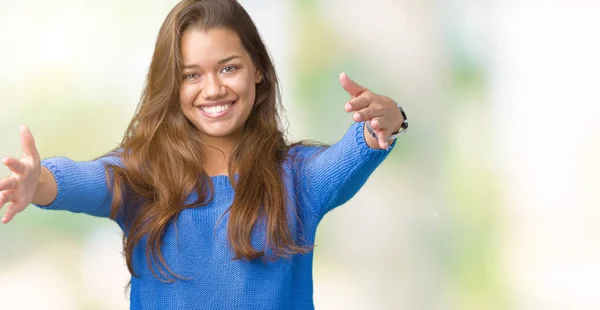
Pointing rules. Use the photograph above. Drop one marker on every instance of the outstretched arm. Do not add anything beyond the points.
(81, 186)
(333, 176)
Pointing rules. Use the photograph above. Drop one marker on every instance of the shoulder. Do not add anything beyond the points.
(304, 150)
(112, 158)
(300, 154)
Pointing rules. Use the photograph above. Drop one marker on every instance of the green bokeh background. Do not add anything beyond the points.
(424, 233)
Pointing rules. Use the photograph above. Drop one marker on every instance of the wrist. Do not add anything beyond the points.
(46, 189)
(371, 140)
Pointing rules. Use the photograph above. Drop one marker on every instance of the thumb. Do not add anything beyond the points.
(28, 143)
(350, 86)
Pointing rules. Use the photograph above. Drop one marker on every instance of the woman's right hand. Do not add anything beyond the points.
(19, 188)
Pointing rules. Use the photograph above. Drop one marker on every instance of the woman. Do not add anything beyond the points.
(218, 210)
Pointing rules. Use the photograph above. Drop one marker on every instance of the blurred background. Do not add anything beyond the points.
(489, 202)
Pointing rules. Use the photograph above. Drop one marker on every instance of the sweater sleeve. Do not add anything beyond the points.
(332, 176)
(82, 186)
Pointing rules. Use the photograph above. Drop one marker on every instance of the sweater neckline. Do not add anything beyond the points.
(222, 179)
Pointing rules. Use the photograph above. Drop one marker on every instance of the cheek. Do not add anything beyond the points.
(187, 95)
(245, 87)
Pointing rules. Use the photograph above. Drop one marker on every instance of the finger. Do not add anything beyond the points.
(367, 113)
(382, 139)
(8, 184)
(14, 165)
(28, 144)
(5, 197)
(10, 213)
(356, 104)
(377, 123)
(350, 86)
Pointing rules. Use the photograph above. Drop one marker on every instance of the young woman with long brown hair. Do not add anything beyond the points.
(218, 210)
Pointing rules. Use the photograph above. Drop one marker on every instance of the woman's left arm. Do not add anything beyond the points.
(333, 176)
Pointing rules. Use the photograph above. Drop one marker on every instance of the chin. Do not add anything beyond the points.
(218, 132)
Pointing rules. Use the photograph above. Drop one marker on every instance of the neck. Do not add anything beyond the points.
(216, 153)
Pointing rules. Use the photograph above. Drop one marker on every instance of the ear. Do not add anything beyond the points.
(258, 76)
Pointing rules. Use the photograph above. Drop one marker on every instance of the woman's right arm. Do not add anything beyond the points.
(56, 183)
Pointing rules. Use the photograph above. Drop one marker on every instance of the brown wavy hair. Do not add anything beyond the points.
(161, 161)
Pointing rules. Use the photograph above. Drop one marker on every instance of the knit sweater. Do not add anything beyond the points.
(196, 246)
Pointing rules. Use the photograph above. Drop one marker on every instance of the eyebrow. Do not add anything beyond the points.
(222, 61)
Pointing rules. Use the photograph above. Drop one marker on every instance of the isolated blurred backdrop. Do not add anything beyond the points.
(489, 202)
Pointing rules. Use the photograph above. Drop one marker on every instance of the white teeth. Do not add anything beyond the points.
(216, 109)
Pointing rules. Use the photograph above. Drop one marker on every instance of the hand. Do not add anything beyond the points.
(19, 188)
(380, 111)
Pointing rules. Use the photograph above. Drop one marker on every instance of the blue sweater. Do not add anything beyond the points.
(198, 249)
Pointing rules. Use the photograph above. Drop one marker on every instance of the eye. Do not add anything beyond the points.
(191, 76)
(229, 69)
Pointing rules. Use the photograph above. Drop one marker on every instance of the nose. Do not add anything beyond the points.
(213, 88)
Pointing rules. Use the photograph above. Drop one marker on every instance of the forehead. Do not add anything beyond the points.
(206, 46)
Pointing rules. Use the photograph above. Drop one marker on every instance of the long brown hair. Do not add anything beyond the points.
(161, 164)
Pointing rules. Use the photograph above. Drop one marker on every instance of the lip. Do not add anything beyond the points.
(217, 103)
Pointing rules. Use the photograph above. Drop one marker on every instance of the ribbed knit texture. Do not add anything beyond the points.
(195, 247)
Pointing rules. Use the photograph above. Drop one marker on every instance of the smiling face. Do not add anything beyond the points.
(218, 87)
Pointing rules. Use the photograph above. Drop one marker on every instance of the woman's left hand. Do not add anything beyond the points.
(381, 111)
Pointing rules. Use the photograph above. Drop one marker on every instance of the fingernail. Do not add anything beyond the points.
(348, 107)
(356, 117)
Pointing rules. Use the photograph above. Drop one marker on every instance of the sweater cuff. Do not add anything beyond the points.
(58, 176)
(364, 149)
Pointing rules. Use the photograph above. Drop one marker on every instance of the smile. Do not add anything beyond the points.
(216, 111)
